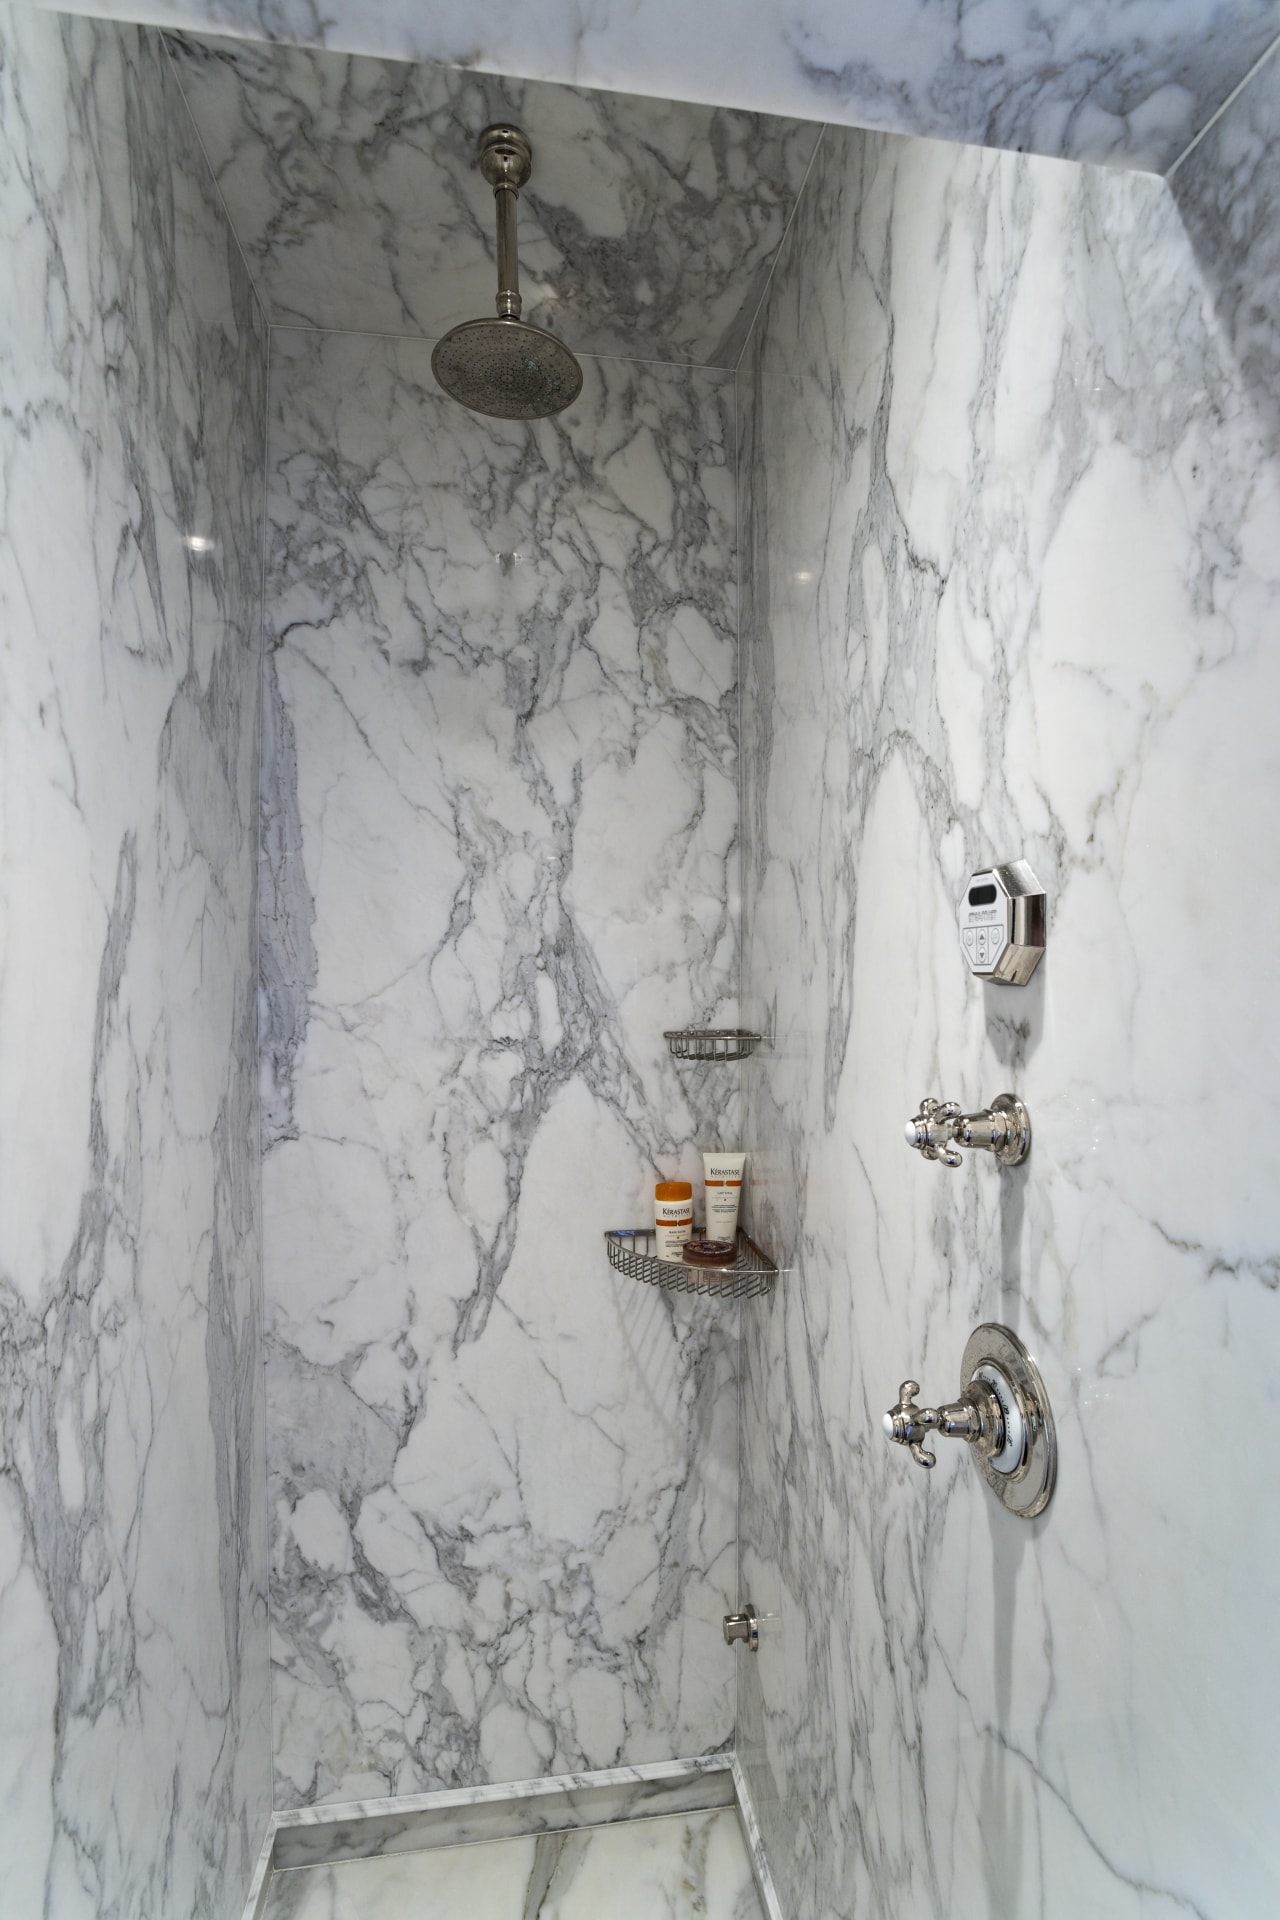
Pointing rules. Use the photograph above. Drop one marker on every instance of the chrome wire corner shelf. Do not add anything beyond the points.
(712, 1043)
(632, 1251)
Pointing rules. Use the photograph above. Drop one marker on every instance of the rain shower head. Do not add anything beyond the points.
(506, 367)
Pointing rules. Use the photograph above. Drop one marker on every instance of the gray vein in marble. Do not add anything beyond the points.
(287, 955)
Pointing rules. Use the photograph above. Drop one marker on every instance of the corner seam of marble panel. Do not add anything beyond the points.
(176, 76)
(755, 1844)
(1240, 87)
(259, 759)
(255, 1905)
(786, 235)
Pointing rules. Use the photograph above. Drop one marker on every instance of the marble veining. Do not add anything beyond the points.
(681, 1867)
(1011, 579)
(1125, 81)
(647, 229)
(134, 1731)
(500, 836)
(307, 1836)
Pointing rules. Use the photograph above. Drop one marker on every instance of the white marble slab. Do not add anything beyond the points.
(500, 834)
(134, 1734)
(1126, 81)
(683, 1867)
(1012, 582)
(647, 228)
(327, 1835)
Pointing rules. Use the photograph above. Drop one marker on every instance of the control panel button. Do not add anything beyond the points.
(1002, 920)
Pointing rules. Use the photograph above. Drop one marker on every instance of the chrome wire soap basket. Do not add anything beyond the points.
(633, 1251)
(712, 1043)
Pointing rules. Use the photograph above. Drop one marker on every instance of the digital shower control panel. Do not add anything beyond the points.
(1002, 923)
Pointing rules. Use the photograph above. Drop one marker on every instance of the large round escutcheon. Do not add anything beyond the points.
(1024, 1472)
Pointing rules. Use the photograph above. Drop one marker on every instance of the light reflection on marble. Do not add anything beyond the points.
(1011, 588)
(682, 1867)
(647, 229)
(500, 830)
(1125, 81)
(371, 1828)
(134, 1734)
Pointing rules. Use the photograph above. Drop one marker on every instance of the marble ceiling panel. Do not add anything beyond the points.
(1124, 81)
(648, 228)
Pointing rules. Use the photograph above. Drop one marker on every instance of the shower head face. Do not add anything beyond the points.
(507, 368)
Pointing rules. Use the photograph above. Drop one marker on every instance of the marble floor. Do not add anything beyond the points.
(690, 1866)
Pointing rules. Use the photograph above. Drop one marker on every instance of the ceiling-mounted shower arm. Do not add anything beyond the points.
(506, 161)
(506, 368)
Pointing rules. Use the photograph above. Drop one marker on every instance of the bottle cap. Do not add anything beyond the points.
(673, 1190)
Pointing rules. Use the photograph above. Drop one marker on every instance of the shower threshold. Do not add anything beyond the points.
(672, 1866)
(671, 1839)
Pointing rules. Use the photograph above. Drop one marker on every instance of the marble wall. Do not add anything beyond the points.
(500, 845)
(647, 228)
(134, 1730)
(1125, 81)
(1011, 580)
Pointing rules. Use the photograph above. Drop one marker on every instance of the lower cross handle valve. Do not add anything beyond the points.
(974, 1417)
(940, 1129)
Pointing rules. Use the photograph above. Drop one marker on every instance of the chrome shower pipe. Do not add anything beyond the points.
(506, 161)
(509, 302)
(506, 368)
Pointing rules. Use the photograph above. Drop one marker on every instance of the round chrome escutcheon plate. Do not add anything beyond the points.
(1027, 1489)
